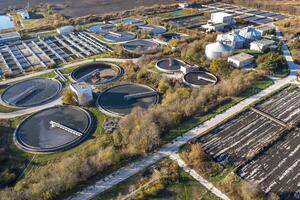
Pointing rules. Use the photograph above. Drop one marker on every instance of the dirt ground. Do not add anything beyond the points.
(80, 7)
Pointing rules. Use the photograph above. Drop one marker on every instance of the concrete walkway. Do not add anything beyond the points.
(172, 147)
(199, 178)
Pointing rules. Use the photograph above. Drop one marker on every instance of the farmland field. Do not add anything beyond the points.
(79, 8)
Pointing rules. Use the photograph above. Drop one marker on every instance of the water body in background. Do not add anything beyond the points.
(6, 22)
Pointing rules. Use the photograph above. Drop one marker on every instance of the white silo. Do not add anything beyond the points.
(216, 50)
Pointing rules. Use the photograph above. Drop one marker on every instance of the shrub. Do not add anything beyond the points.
(68, 97)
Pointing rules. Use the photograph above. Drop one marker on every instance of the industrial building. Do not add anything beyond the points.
(250, 34)
(242, 60)
(219, 22)
(262, 45)
(250, 15)
(217, 49)
(222, 17)
(83, 93)
(233, 39)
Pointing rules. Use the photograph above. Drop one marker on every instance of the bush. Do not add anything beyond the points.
(197, 158)
(49, 181)
(220, 67)
(296, 55)
(68, 97)
(271, 62)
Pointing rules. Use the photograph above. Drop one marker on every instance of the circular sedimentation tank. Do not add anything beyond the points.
(102, 28)
(133, 21)
(31, 92)
(199, 78)
(169, 65)
(53, 129)
(119, 100)
(120, 36)
(170, 36)
(152, 29)
(97, 73)
(140, 46)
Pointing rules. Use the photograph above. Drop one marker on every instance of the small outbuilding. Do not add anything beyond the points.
(83, 92)
(262, 45)
(242, 60)
(188, 68)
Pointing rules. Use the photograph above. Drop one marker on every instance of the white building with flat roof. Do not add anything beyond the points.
(83, 92)
(188, 68)
(242, 60)
(221, 17)
(262, 45)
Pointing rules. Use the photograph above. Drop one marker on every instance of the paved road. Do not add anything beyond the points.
(171, 148)
(27, 111)
(199, 178)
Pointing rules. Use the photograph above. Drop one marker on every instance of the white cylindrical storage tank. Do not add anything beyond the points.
(217, 50)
